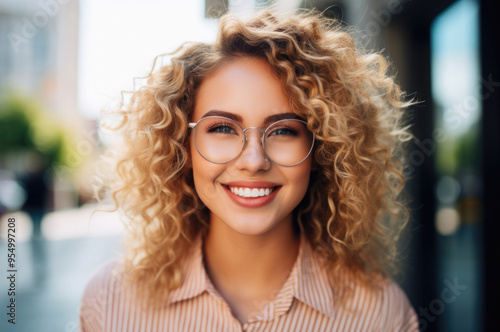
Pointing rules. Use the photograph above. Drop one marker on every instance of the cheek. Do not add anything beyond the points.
(204, 176)
(299, 176)
(303, 184)
(303, 172)
(197, 163)
(201, 175)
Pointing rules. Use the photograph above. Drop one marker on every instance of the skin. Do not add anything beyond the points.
(248, 252)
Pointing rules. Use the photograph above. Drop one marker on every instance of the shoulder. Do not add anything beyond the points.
(104, 283)
(384, 308)
(106, 279)
(397, 313)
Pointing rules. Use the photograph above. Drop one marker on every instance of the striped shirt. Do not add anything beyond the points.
(304, 303)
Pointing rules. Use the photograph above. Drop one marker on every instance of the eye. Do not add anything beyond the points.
(284, 131)
(222, 128)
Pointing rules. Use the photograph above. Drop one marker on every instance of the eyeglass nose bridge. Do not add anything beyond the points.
(261, 138)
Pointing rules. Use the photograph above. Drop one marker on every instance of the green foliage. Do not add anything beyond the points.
(26, 126)
(459, 152)
(14, 127)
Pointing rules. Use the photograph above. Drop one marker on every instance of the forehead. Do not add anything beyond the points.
(247, 87)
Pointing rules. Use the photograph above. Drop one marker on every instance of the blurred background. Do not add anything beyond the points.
(62, 61)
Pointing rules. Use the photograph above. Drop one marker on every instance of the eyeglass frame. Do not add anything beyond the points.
(192, 125)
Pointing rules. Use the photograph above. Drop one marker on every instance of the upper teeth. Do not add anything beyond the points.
(251, 192)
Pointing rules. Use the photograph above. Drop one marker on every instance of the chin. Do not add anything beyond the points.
(253, 225)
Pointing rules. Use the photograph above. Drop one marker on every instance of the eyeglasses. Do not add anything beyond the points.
(219, 140)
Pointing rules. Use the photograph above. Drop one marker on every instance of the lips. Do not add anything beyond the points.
(251, 194)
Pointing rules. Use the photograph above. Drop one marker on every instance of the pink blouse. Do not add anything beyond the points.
(304, 303)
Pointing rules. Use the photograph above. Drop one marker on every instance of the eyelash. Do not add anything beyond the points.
(218, 125)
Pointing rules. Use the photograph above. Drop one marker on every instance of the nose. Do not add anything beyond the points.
(253, 158)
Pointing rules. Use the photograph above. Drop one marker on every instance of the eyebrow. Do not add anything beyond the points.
(238, 118)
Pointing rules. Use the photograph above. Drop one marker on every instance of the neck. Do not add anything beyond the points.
(250, 266)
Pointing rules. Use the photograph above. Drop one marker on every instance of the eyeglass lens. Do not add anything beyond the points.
(286, 142)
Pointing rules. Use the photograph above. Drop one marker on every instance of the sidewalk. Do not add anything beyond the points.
(52, 271)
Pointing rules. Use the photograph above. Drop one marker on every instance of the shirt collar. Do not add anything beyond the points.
(195, 278)
(307, 282)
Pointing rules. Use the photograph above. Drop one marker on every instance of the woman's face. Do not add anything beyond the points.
(247, 90)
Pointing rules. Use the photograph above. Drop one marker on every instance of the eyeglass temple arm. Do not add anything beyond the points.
(192, 125)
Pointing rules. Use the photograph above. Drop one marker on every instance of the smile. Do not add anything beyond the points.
(251, 192)
(251, 195)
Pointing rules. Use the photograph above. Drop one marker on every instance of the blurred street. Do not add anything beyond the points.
(52, 273)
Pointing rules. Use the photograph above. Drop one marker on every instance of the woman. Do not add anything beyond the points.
(260, 175)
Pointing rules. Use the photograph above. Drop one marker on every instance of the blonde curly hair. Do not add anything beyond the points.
(351, 214)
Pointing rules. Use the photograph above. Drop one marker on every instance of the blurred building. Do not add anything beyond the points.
(39, 51)
(39, 60)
